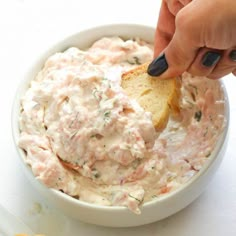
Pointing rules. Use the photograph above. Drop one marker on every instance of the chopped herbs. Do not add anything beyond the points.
(193, 96)
(170, 178)
(66, 99)
(136, 163)
(205, 133)
(195, 88)
(74, 120)
(137, 60)
(106, 117)
(135, 198)
(97, 136)
(134, 61)
(198, 115)
(190, 103)
(107, 114)
(73, 135)
(45, 126)
(97, 175)
(208, 154)
(96, 94)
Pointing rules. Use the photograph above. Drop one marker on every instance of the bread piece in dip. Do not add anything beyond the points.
(160, 97)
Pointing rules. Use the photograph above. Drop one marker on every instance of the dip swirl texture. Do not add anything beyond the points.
(84, 136)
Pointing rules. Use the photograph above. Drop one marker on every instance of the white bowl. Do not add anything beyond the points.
(116, 216)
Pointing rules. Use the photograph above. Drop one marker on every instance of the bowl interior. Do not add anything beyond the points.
(83, 40)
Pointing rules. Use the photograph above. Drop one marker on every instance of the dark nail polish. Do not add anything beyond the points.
(158, 66)
(211, 58)
(232, 55)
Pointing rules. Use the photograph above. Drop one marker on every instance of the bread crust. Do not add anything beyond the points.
(158, 96)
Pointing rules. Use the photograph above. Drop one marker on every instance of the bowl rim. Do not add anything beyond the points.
(15, 128)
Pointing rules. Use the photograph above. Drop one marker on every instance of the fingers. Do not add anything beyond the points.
(186, 52)
(205, 62)
(166, 23)
(185, 2)
(213, 64)
(165, 29)
(174, 6)
(180, 52)
(181, 44)
(226, 65)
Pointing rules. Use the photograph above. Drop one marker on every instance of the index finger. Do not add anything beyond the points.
(165, 29)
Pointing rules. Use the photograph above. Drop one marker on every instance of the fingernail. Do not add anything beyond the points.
(211, 58)
(232, 55)
(158, 66)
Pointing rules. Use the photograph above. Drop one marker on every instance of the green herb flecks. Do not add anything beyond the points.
(134, 61)
(74, 120)
(136, 163)
(137, 61)
(107, 114)
(208, 154)
(198, 115)
(190, 103)
(74, 135)
(97, 136)
(106, 117)
(206, 132)
(135, 198)
(195, 88)
(95, 173)
(170, 178)
(96, 94)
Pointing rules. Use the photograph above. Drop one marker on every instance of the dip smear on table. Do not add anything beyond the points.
(84, 136)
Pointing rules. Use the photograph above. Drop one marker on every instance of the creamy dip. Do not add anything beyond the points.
(84, 136)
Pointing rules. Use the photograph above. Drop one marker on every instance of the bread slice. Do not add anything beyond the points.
(158, 96)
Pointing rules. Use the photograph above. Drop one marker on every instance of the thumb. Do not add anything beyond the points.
(177, 56)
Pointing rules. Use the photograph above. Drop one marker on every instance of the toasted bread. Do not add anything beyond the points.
(158, 96)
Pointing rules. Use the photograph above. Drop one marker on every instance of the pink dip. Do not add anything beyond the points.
(83, 135)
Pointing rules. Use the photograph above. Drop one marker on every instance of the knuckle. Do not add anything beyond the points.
(182, 21)
(187, 26)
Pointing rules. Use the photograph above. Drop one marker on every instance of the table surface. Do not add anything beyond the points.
(27, 28)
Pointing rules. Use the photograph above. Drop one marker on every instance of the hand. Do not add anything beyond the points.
(197, 36)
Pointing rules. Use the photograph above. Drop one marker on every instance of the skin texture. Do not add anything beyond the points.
(187, 29)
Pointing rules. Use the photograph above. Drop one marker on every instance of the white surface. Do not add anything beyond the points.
(6, 222)
(27, 27)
